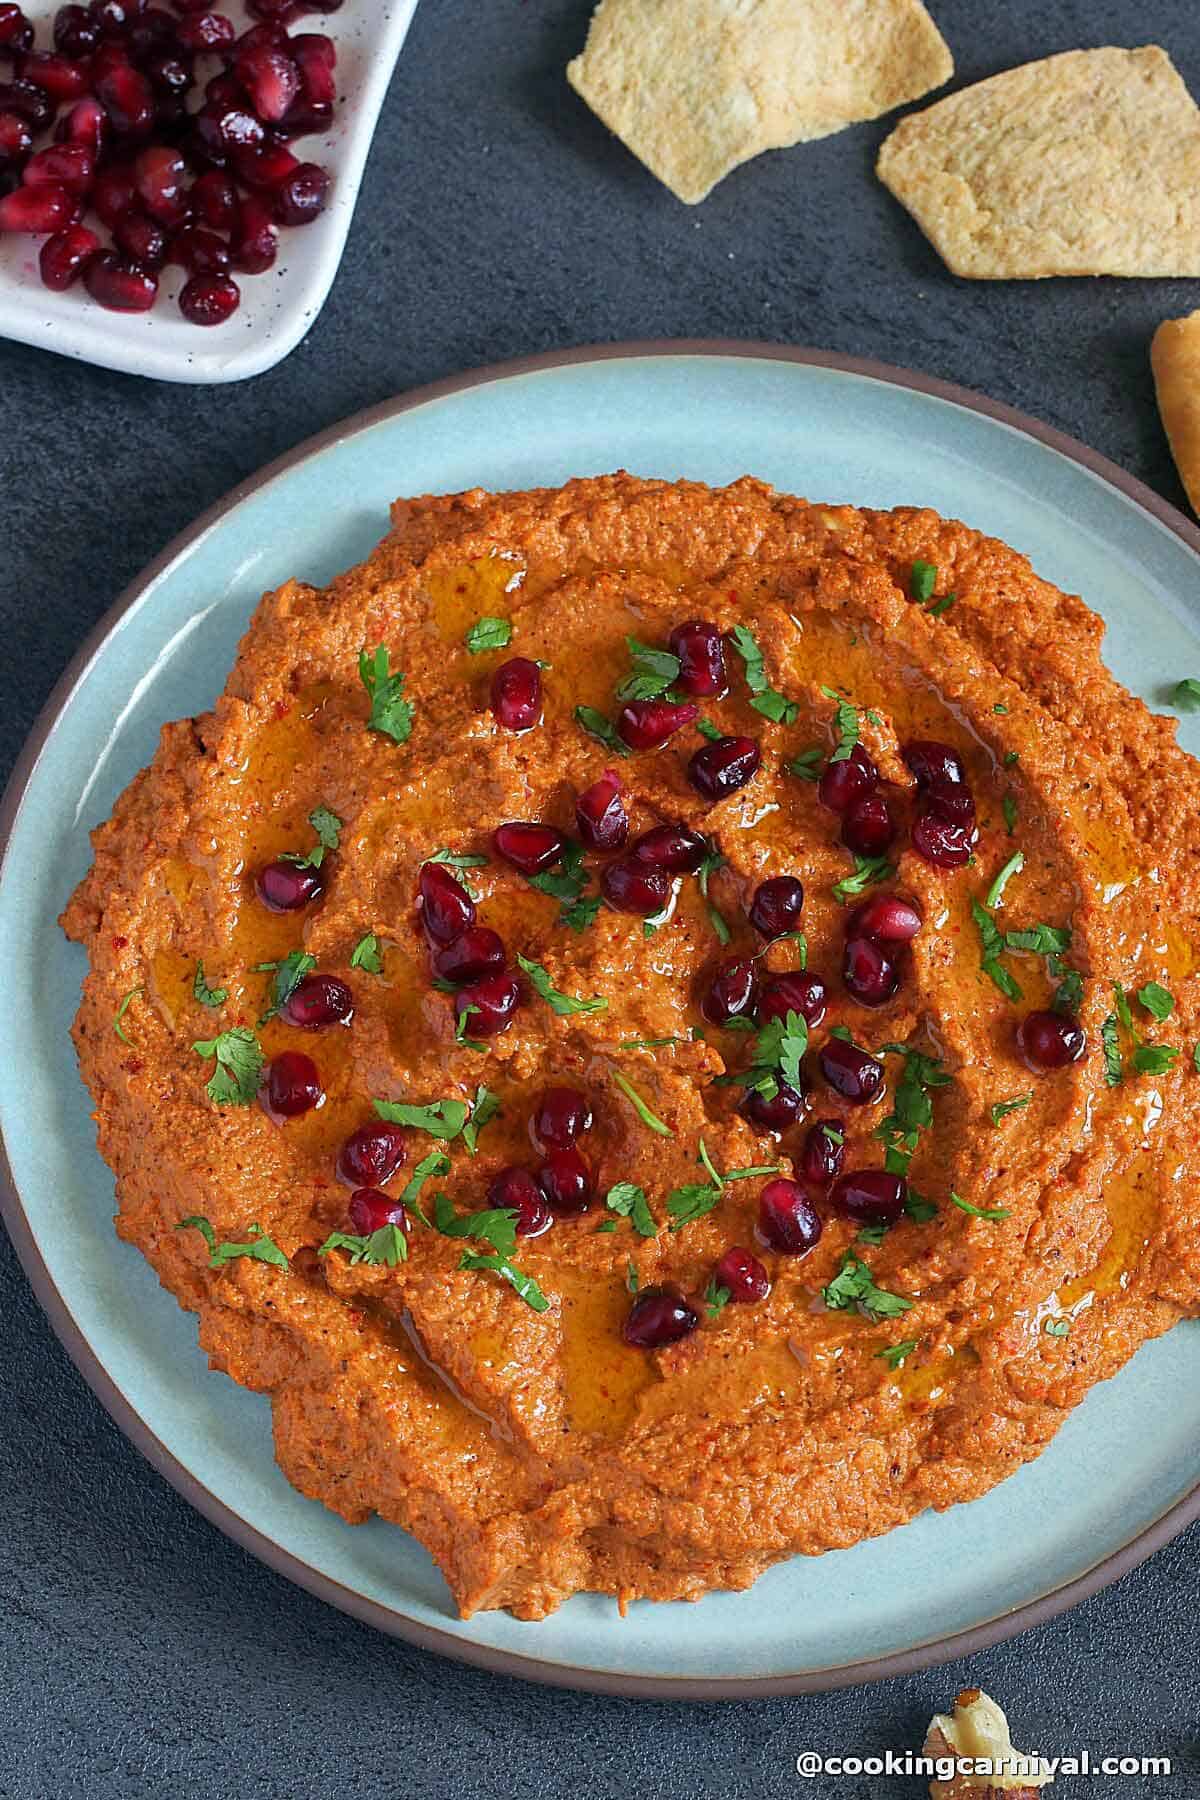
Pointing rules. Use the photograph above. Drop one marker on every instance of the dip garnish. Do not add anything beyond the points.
(716, 1298)
(328, 828)
(122, 1009)
(894, 1355)
(597, 726)
(922, 580)
(853, 1286)
(1013, 866)
(1002, 1108)
(239, 1064)
(695, 1199)
(489, 634)
(845, 723)
(942, 606)
(441, 1118)
(287, 978)
(708, 730)
(484, 1108)
(1009, 808)
(523, 1285)
(1011, 758)
(456, 861)
(867, 871)
(434, 1162)
(494, 1225)
(994, 1213)
(391, 714)
(779, 1048)
(465, 1010)
(1110, 1040)
(991, 942)
(629, 1201)
(563, 1005)
(366, 954)
(262, 1249)
(712, 862)
(651, 1043)
(807, 763)
(766, 699)
(207, 996)
(654, 671)
(1185, 696)
(912, 1109)
(639, 1105)
(1058, 1328)
(388, 1246)
(566, 883)
(1157, 1001)
(1154, 1059)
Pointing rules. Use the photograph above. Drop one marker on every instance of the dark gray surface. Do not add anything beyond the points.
(143, 1655)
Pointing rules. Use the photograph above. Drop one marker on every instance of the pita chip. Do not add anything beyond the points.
(1175, 359)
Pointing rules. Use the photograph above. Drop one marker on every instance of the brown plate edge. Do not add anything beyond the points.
(503, 1662)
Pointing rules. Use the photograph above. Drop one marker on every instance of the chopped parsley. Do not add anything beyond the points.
(328, 828)
(366, 955)
(564, 1006)
(1196, 1058)
(287, 978)
(1013, 866)
(940, 607)
(716, 1298)
(845, 723)
(650, 1043)
(260, 1249)
(522, 1284)
(1110, 1041)
(1011, 758)
(853, 1286)
(1068, 995)
(779, 1047)
(629, 1201)
(1009, 805)
(239, 1065)
(434, 1162)
(1185, 695)
(493, 1225)
(207, 996)
(1059, 1328)
(489, 634)
(991, 943)
(912, 1109)
(597, 726)
(460, 1029)
(388, 1245)
(1046, 940)
(695, 1199)
(653, 672)
(807, 763)
(895, 1355)
(122, 1009)
(922, 580)
(639, 1105)
(708, 730)
(391, 714)
(712, 862)
(566, 883)
(1157, 1001)
(457, 861)
(441, 1119)
(484, 1108)
(631, 1277)
(1002, 1108)
(1154, 1059)
(867, 871)
(995, 1213)
(765, 699)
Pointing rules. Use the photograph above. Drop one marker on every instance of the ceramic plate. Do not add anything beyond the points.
(1105, 1493)
(277, 308)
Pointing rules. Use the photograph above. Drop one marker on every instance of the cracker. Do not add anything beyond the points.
(1083, 164)
(695, 87)
(1175, 359)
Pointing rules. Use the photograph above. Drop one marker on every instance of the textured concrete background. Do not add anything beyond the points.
(143, 1655)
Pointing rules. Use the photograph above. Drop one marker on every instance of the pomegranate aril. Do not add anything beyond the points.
(301, 197)
(670, 847)
(1050, 1040)
(486, 1008)
(701, 652)
(372, 1154)
(446, 909)
(867, 826)
(659, 1316)
(16, 31)
(209, 299)
(315, 59)
(851, 1072)
(37, 209)
(268, 36)
(76, 33)
(271, 79)
(776, 906)
(286, 887)
(723, 766)
(847, 780)
(85, 123)
(887, 917)
(303, 118)
(292, 1085)
(213, 200)
(317, 1001)
(159, 175)
(797, 992)
(931, 761)
(515, 1190)
(56, 75)
(517, 694)
(129, 101)
(112, 16)
(113, 192)
(823, 1153)
(170, 72)
(61, 165)
(600, 814)
(16, 139)
(64, 256)
(152, 30)
(774, 1112)
(268, 9)
(742, 1276)
(787, 1218)
(730, 992)
(472, 955)
(870, 975)
(370, 1210)
(217, 131)
(942, 842)
(199, 251)
(647, 724)
(529, 848)
(950, 800)
(870, 1196)
(566, 1182)
(254, 244)
(632, 888)
(561, 1115)
(308, 48)
(206, 31)
(30, 103)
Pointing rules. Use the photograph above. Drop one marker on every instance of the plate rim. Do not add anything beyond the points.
(87, 1360)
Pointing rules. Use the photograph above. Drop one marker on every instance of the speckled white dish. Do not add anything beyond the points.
(277, 308)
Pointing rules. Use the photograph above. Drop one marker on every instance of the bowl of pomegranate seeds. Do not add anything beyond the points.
(177, 183)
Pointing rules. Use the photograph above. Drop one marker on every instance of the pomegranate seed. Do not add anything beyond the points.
(268, 9)
(16, 139)
(787, 1217)
(16, 32)
(566, 1181)
(446, 908)
(631, 888)
(159, 174)
(55, 75)
(701, 652)
(795, 992)
(111, 55)
(779, 1112)
(516, 1191)
(776, 906)
(742, 1276)
(170, 72)
(86, 123)
(70, 166)
(128, 100)
(222, 129)
(659, 1316)
(887, 918)
(189, 6)
(870, 975)
(941, 842)
(847, 780)
(600, 814)
(317, 1001)
(868, 827)
(517, 694)
(254, 244)
(1050, 1040)
(487, 1006)
(199, 251)
(871, 1196)
(112, 16)
(647, 724)
(823, 1153)
(36, 209)
(113, 193)
(315, 59)
(265, 168)
(271, 79)
(302, 196)
(850, 1072)
(951, 801)
(30, 103)
(206, 31)
(372, 1154)
(370, 1210)
(472, 955)
(293, 1085)
(76, 33)
(731, 991)
(529, 848)
(213, 199)
(670, 847)
(210, 299)
(285, 887)
(932, 762)
(723, 766)
(260, 37)
(561, 1115)
(63, 257)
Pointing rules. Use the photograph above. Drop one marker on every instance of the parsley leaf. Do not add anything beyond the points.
(494, 1225)
(1058, 1328)
(716, 1298)
(1046, 940)
(522, 1284)
(489, 634)
(1068, 995)
(1154, 1059)
(456, 861)
(912, 1109)
(122, 1009)
(653, 672)
(1111, 1043)
(366, 955)
(262, 1249)
(708, 730)
(845, 723)
(807, 763)
(991, 948)
(387, 1245)
(1185, 695)
(942, 606)
(713, 861)
(650, 1043)
(207, 996)
(484, 1108)
(564, 1006)
(582, 914)
(766, 699)
(441, 1119)
(1013, 866)
(566, 883)
(434, 1162)
(922, 580)
(287, 978)
(1157, 1001)
(639, 1105)
(1009, 805)
(629, 1201)
(239, 1064)
(894, 1355)
(995, 1213)
(694, 1199)
(1196, 1059)
(917, 1208)
(1002, 1108)
(867, 871)
(597, 726)
(391, 714)
(853, 1286)
(328, 828)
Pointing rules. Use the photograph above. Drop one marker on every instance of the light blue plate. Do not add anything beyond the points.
(1106, 1492)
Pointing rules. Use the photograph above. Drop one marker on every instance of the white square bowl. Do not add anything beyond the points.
(277, 308)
